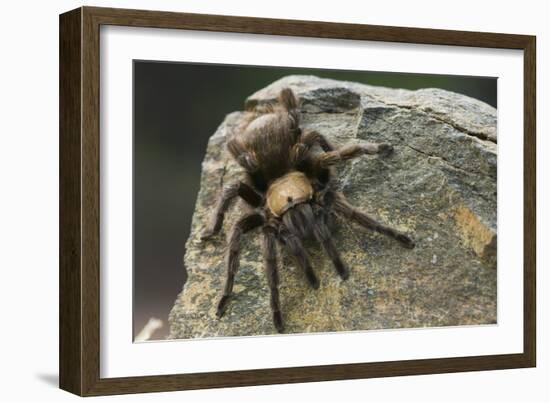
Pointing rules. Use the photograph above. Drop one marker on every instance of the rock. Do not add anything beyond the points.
(439, 185)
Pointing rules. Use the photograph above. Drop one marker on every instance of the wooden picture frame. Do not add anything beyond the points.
(79, 280)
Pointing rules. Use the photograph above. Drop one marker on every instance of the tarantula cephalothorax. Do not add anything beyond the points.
(290, 194)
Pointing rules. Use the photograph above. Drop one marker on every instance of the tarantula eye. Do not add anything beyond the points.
(289, 199)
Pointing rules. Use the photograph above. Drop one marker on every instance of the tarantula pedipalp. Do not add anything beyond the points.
(291, 194)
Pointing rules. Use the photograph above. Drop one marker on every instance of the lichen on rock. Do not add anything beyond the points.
(438, 185)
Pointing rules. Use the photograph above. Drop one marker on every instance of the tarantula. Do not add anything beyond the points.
(290, 194)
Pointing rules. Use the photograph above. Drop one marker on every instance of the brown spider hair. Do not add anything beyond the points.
(291, 194)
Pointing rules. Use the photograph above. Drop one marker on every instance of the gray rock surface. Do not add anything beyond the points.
(439, 185)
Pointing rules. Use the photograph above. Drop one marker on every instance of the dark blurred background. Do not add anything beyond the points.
(177, 107)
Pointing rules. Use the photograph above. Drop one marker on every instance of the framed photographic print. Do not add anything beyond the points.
(250, 201)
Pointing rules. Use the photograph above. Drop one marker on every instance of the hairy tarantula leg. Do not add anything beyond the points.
(342, 206)
(312, 137)
(351, 151)
(242, 155)
(270, 262)
(323, 236)
(308, 139)
(227, 195)
(378, 148)
(289, 102)
(245, 224)
(287, 99)
(296, 248)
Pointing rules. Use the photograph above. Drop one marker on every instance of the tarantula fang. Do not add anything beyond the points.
(290, 194)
